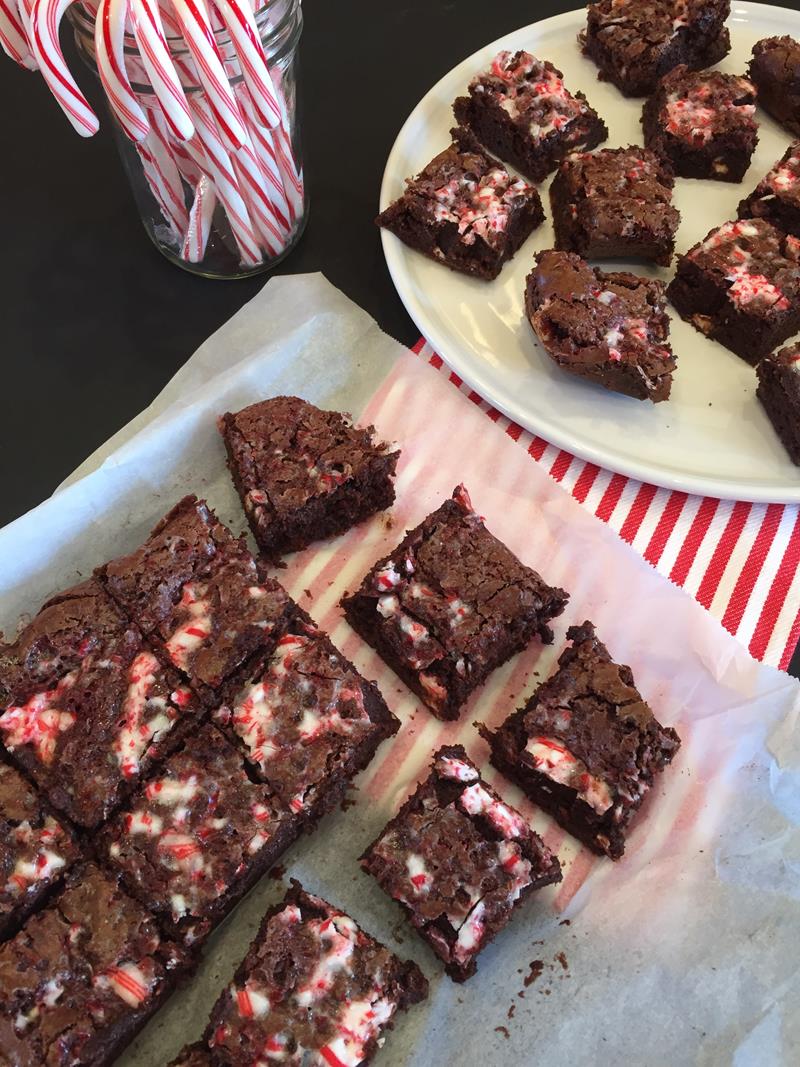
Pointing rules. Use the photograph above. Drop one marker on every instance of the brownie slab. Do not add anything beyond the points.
(82, 977)
(611, 329)
(459, 860)
(36, 851)
(703, 124)
(306, 720)
(636, 42)
(741, 286)
(86, 708)
(449, 605)
(197, 837)
(465, 210)
(615, 203)
(775, 70)
(196, 591)
(521, 110)
(777, 196)
(779, 392)
(313, 989)
(586, 747)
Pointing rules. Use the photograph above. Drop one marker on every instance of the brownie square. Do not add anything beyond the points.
(777, 196)
(779, 392)
(465, 210)
(459, 861)
(36, 851)
(197, 837)
(313, 989)
(304, 474)
(520, 109)
(586, 747)
(611, 329)
(637, 42)
(615, 204)
(741, 286)
(82, 977)
(306, 719)
(86, 708)
(451, 604)
(703, 124)
(196, 591)
(775, 70)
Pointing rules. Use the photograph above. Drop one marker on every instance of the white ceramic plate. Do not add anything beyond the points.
(712, 436)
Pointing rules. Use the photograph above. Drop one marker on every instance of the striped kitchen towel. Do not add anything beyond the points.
(741, 561)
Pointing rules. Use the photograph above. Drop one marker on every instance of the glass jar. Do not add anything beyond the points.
(210, 208)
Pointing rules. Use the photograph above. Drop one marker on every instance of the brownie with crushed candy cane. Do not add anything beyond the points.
(449, 605)
(740, 286)
(199, 595)
(775, 69)
(83, 976)
(197, 836)
(777, 196)
(305, 719)
(312, 989)
(86, 707)
(703, 124)
(459, 861)
(465, 210)
(521, 110)
(36, 851)
(304, 474)
(636, 42)
(615, 204)
(586, 747)
(779, 392)
(608, 328)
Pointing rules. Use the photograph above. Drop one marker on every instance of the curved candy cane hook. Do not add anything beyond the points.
(45, 21)
(109, 37)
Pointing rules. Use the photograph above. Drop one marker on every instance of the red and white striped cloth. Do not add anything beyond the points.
(741, 561)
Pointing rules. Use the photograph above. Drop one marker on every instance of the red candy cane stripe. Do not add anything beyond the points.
(45, 21)
(109, 33)
(157, 61)
(200, 216)
(13, 36)
(241, 25)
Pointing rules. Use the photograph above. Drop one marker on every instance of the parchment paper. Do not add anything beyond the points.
(686, 951)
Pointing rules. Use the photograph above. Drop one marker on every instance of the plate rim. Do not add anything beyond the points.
(698, 485)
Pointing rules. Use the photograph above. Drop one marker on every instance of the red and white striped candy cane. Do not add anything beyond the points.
(163, 155)
(13, 35)
(109, 33)
(241, 26)
(45, 21)
(265, 153)
(291, 174)
(158, 62)
(200, 217)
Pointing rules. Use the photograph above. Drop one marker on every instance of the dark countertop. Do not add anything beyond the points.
(96, 322)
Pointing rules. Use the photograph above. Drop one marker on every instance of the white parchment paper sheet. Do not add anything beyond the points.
(685, 952)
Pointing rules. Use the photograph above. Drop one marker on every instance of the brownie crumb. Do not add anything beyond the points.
(511, 1010)
(564, 922)
(537, 966)
(562, 959)
(277, 872)
(502, 1030)
(307, 592)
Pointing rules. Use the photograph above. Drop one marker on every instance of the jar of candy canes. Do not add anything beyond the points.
(202, 96)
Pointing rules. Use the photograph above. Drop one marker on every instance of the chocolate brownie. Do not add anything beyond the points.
(611, 329)
(741, 286)
(459, 860)
(703, 123)
(86, 708)
(82, 977)
(196, 591)
(520, 110)
(466, 211)
(615, 203)
(636, 42)
(586, 747)
(451, 604)
(779, 392)
(777, 196)
(313, 989)
(36, 851)
(194, 840)
(196, 1055)
(304, 474)
(775, 69)
(306, 720)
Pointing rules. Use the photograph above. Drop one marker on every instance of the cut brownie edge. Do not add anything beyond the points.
(779, 393)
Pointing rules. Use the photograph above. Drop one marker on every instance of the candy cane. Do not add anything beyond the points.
(241, 26)
(291, 174)
(193, 19)
(200, 216)
(45, 21)
(109, 32)
(13, 36)
(263, 147)
(158, 62)
(159, 144)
